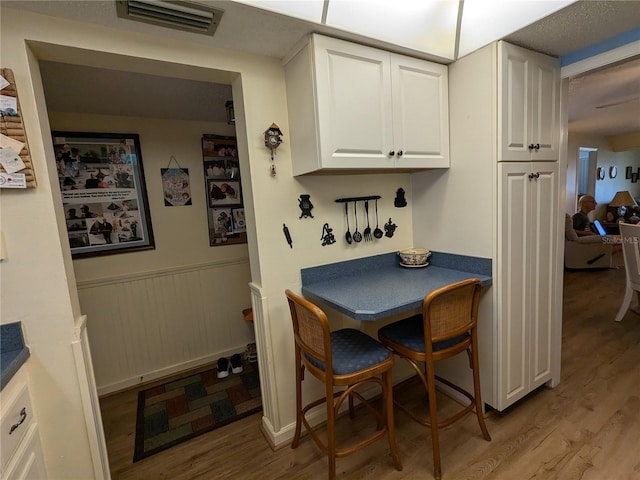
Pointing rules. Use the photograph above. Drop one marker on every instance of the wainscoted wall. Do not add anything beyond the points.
(148, 325)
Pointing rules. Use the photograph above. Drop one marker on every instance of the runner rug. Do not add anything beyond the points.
(172, 413)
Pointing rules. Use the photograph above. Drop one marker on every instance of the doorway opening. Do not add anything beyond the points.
(586, 172)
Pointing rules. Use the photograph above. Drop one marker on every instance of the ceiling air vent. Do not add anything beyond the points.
(171, 14)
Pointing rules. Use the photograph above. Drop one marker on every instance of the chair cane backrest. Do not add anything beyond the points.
(451, 311)
(310, 329)
(631, 250)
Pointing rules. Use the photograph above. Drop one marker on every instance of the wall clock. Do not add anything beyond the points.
(613, 171)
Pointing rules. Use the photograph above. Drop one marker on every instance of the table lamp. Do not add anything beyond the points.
(622, 200)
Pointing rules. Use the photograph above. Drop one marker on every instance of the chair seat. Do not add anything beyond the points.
(353, 351)
(410, 333)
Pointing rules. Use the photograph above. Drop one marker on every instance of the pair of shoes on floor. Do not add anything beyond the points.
(250, 353)
(233, 365)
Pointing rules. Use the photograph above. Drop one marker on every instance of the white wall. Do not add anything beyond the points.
(188, 324)
(48, 302)
(607, 188)
(181, 233)
(454, 208)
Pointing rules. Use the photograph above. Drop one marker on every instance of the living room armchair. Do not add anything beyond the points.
(591, 251)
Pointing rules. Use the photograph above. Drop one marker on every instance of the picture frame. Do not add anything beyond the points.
(628, 172)
(103, 191)
(225, 210)
(238, 221)
(224, 193)
(634, 177)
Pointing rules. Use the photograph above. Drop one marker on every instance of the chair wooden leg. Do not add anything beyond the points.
(433, 415)
(298, 431)
(626, 301)
(331, 431)
(387, 404)
(476, 389)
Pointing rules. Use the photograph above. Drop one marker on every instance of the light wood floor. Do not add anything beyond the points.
(588, 427)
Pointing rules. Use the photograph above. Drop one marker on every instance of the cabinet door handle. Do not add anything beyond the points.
(392, 153)
(400, 152)
(534, 175)
(530, 146)
(537, 146)
(23, 417)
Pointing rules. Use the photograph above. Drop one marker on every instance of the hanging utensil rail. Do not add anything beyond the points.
(357, 199)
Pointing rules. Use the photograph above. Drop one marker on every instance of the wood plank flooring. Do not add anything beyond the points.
(588, 427)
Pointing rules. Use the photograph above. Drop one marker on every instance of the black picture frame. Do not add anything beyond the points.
(628, 172)
(225, 212)
(634, 177)
(103, 190)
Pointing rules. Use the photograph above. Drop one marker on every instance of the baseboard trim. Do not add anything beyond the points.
(161, 373)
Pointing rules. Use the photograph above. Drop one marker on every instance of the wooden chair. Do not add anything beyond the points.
(346, 359)
(631, 251)
(446, 327)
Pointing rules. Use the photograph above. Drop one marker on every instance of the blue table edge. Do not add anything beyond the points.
(313, 278)
(13, 352)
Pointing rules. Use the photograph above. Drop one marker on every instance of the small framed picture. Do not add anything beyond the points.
(628, 173)
(224, 193)
(238, 222)
(634, 177)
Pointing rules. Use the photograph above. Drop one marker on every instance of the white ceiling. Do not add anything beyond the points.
(256, 31)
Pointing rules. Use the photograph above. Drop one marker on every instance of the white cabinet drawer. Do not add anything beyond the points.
(15, 419)
(27, 463)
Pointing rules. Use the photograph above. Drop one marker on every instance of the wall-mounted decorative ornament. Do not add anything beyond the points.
(600, 173)
(613, 171)
(272, 140)
(305, 206)
(389, 228)
(400, 201)
(287, 235)
(327, 235)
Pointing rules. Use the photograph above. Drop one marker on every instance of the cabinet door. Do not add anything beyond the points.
(545, 120)
(420, 113)
(542, 254)
(513, 307)
(353, 89)
(528, 104)
(528, 203)
(514, 91)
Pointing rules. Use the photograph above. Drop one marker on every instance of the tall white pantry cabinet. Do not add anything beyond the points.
(511, 95)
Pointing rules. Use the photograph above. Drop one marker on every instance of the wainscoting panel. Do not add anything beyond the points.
(146, 326)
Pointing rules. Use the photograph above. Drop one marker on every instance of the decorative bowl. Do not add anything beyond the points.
(414, 256)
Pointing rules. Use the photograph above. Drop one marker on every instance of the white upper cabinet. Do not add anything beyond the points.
(528, 105)
(357, 108)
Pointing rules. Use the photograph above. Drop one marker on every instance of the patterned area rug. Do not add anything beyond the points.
(172, 413)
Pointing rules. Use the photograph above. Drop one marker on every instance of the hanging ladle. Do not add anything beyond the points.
(377, 232)
(347, 236)
(357, 236)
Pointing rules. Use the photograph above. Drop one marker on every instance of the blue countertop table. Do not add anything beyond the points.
(13, 352)
(377, 287)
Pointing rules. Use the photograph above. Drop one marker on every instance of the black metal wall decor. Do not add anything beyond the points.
(287, 235)
(400, 201)
(366, 234)
(327, 235)
(305, 205)
(389, 229)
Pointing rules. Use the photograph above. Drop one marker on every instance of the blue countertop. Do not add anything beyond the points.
(13, 352)
(377, 287)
